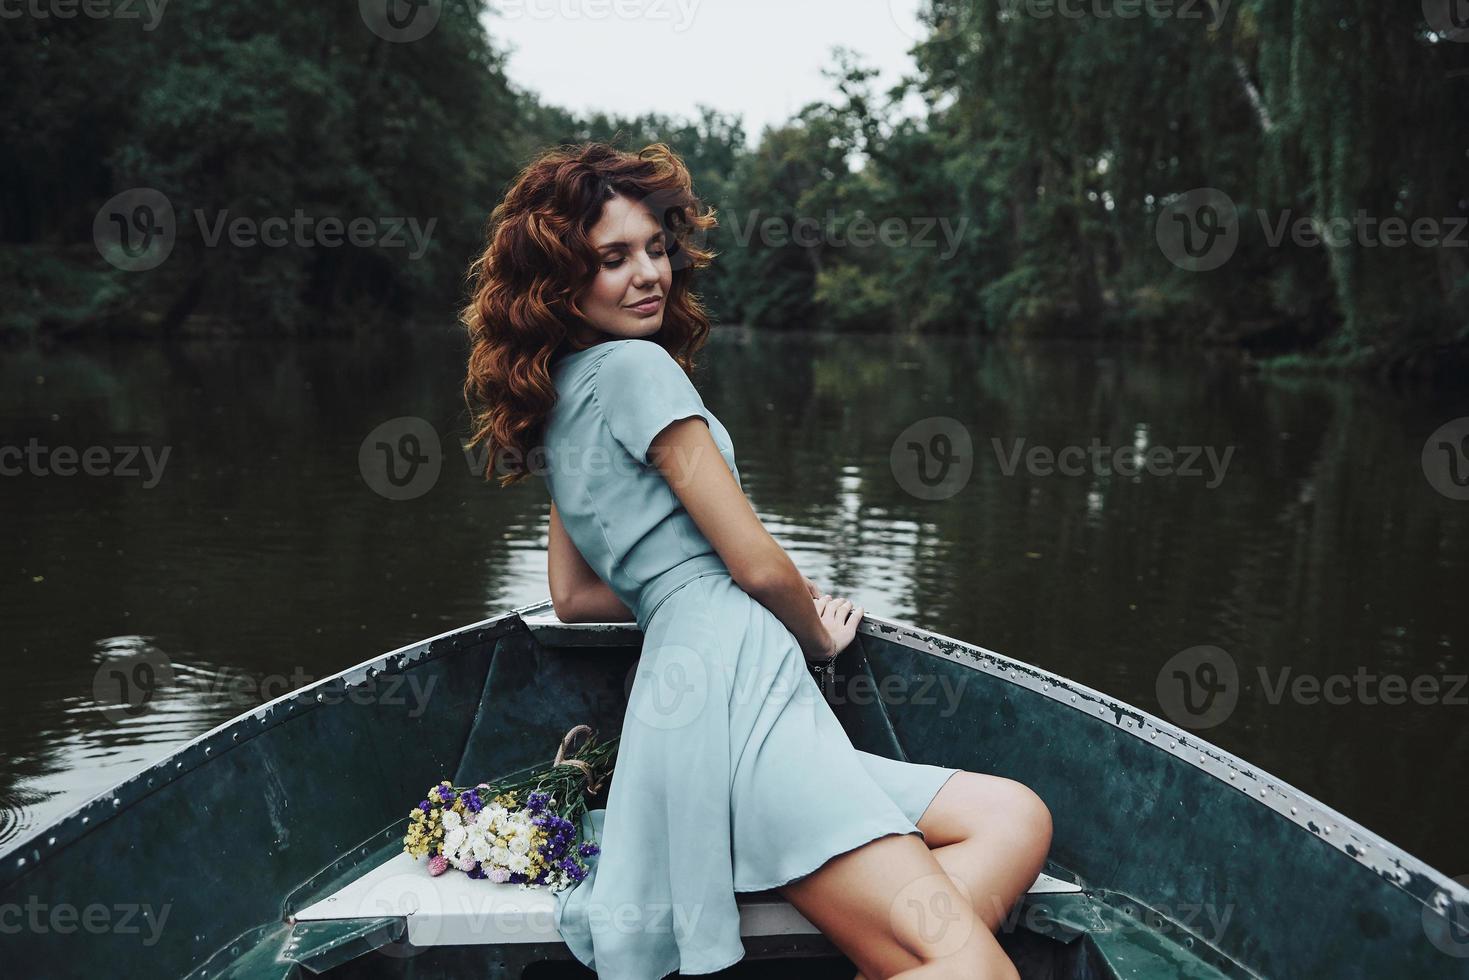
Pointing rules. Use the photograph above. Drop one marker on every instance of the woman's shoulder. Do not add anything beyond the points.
(634, 362)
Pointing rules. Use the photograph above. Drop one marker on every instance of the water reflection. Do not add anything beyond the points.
(263, 555)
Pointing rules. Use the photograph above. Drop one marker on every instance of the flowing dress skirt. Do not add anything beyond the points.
(732, 775)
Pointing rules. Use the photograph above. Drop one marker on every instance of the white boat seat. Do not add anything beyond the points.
(456, 910)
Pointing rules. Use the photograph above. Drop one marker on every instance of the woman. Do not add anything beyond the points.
(733, 774)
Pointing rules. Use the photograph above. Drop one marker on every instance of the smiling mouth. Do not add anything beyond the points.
(651, 303)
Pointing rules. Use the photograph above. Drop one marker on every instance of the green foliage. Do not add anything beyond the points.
(1027, 190)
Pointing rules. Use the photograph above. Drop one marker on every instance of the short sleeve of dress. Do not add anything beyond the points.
(641, 390)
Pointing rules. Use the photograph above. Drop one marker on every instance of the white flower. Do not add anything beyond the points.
(454, 839)
(519, 844)
(451, 819)
(484, 820)
(501, 856)
(519, 863)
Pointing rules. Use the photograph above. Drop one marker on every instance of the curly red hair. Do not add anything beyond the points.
(539, 261)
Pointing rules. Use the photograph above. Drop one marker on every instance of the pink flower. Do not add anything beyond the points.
(499, 875)
(437, 865)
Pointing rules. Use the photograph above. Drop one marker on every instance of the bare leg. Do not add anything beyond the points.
(895, 912)
(991, 836)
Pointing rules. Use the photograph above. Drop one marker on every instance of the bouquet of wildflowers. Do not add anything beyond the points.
(522, 829)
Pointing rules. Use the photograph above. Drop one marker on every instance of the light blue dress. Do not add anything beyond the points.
(733, 774)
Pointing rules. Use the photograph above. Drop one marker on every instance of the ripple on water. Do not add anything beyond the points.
(16, 814)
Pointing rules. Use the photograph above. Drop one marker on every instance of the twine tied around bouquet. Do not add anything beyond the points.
(592, 787)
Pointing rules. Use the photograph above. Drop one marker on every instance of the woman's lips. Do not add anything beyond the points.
(648, 305)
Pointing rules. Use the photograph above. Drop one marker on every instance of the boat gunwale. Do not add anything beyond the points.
(1395, 866)
(1398, 868)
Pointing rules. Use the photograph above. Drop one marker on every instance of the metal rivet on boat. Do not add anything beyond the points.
(322, 697)
(1293, 810)
(235, 737)
(1202, 760)
(178, 765)
(1262, 790)
(116, 801)
(1324, 830)
(50, 841)
(85, 819)
(21, 863)
(1231, 773)
(1073, 700)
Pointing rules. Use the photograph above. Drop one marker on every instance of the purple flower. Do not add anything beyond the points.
(425, 806)
(446, 794)
(536, 802)
(589, 848)
(473, 802)
(477, 871)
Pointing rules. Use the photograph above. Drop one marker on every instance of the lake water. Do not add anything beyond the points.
(1295, 529)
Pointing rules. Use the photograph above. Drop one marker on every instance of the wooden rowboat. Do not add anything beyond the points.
(270, 847)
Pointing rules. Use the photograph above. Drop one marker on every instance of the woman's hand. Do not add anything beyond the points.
(811, 587)
(840, 618)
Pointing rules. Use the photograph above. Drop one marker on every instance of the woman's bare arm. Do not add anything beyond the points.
(578, 595)
(685, 453)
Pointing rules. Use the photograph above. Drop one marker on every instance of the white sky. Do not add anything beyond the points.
(761, 59)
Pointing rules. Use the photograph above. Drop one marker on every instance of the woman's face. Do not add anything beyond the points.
(635, 268)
